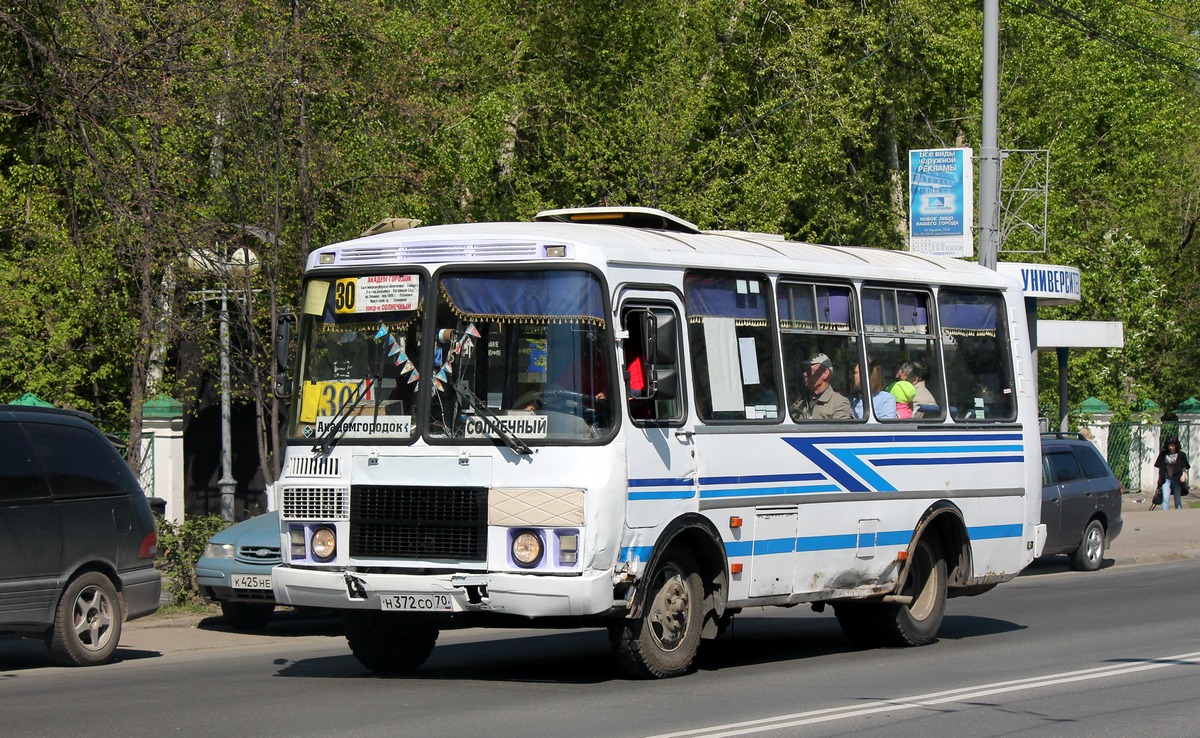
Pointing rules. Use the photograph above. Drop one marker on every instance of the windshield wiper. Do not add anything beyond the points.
(489, 418)
(327, 440)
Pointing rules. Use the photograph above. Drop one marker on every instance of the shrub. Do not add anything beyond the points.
(179, 546)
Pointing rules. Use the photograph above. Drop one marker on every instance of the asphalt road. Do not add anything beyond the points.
(1054, 653)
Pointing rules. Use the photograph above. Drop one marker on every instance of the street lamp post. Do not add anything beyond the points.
(227, 483)
(240, 263)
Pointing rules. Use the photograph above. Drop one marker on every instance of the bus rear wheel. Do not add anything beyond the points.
(663, 641)
(389, 643)
(914, 623)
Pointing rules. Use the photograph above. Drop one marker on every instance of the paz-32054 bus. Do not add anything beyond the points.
(608, 417)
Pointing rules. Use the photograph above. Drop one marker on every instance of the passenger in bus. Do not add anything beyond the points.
(904, 392)
(820, 401)
(883, 405)
(924, 403)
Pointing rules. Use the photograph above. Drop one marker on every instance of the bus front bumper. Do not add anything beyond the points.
(514, 594)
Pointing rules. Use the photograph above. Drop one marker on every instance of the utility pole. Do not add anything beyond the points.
(989, 151)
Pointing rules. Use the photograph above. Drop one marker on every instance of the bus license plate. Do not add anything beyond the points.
(416, 602)
(250, 581)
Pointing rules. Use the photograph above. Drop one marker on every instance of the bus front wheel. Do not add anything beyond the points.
(389, 643)
(662, 642)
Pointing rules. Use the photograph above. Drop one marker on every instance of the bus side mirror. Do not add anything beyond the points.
(659, 347)
(283, 339)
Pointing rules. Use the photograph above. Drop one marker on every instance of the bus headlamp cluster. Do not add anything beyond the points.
(532, 548)
(324, 544)
(318, 542)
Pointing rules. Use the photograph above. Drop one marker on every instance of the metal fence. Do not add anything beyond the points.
(1132, 448)
(146, 471)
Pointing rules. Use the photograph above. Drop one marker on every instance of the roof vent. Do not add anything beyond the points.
(651, 218)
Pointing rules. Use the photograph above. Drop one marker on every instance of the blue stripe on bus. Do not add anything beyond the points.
(669, 482)
(986, 532)
(761, 479)
(684, 495)
(839, 542)
(952, 460)
(924, 449)
(747, 491)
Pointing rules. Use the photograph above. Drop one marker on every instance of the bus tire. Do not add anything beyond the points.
(389, 643)
(664, 640)
(872, 624)
(917, 623)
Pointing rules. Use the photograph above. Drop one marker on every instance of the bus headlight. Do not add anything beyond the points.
(324, 544)
(527, 549)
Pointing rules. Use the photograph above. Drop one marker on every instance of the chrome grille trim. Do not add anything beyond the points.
(316, 503)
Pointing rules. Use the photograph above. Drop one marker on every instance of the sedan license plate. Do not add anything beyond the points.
(250, 581)
(416, 602)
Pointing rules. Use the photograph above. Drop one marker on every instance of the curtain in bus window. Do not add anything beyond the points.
(969, 315)
(725, 297)
(526, 296)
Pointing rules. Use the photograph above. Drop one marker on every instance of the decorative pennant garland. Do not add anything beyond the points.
(464, 346)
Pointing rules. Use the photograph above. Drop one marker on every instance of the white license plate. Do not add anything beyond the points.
(250, 581)
(416, 602)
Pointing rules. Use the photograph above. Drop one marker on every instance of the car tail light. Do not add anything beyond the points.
(149, 547)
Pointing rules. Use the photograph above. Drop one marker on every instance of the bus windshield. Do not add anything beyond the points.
(527, 350)
(360, 343)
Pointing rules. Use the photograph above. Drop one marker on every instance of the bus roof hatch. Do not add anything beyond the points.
(651, 218)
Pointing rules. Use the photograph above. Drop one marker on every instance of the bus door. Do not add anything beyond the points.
(661, 464)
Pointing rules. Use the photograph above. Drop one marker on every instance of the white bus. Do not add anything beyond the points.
(610, 418)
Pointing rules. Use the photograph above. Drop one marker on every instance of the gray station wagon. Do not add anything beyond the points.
(1081, 500)
(77, 538)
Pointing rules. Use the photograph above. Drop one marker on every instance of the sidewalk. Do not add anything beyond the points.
(1155, 535)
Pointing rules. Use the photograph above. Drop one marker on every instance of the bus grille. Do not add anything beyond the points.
(314, 503)
(418, 523)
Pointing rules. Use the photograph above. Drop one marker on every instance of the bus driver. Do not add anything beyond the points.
(821, 401)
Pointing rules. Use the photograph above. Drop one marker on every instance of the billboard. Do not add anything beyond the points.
(941, 205)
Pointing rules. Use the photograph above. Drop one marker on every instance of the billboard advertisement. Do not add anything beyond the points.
(941, 205)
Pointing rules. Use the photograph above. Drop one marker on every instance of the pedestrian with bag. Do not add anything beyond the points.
(1172, 464)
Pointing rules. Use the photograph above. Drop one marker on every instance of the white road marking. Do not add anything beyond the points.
(961, 694)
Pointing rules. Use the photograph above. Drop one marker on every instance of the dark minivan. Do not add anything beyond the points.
(77, 538)
(1081, 500)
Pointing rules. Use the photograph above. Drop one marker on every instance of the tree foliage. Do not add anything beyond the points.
(133, 133)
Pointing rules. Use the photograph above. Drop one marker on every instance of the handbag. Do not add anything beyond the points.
(1157, 499)
(1183, 489)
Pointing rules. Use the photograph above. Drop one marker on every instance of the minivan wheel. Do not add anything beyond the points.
(87, 625)
(1090, 553)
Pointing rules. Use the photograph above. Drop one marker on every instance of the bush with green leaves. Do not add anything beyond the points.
(179, 546)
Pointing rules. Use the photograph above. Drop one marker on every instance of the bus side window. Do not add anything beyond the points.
(733, 349)
(976, 347)
(816, 322)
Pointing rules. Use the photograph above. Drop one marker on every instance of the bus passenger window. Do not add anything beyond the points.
(979, 375)
(733, 352)
(899, 337)
(820, 350)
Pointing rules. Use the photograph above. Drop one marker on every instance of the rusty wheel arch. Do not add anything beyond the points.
(701, 537)
(943, 521)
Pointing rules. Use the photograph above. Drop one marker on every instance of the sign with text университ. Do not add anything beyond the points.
(941, 205)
